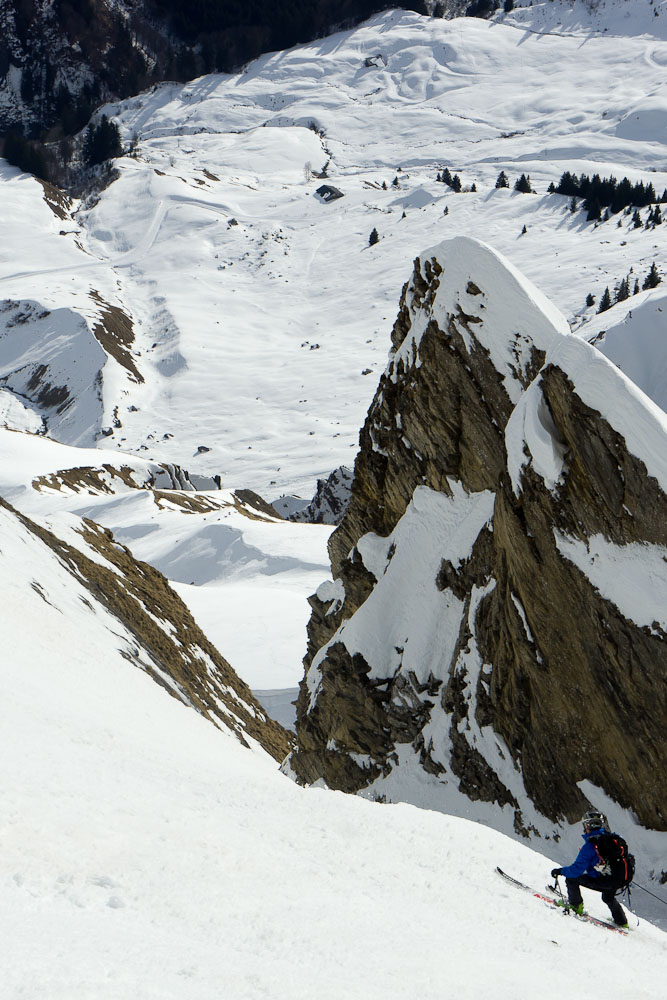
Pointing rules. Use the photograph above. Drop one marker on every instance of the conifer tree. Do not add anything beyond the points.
(594, 210)
(102, 142)
(652, 279)
(636, 219)
(502, 181)
(590, 300)
(456, 183)
(623, 290)
(446, 176)
(605, 301)
(568, 184)
(373, 238)
(523, 184)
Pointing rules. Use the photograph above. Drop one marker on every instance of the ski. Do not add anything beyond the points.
(552, 901)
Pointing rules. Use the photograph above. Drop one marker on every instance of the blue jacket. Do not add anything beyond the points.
(586, 859)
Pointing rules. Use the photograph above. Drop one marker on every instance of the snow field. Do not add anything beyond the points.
(263, 341)
(147, 852)
(245, 579)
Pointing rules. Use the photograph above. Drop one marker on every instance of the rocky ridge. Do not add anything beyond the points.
(328, 505)
(493, 635)
(151, 627)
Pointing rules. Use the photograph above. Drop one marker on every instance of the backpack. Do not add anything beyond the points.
(615, 859)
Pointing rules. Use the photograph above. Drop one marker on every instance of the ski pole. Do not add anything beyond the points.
(638, 886)
(556, 887)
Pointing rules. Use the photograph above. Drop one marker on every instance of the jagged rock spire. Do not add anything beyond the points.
(479, 643)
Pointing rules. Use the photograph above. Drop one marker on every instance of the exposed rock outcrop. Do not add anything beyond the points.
(151, 627)
(329, 504)
(495, 633)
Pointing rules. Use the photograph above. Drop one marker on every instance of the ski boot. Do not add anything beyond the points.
(578, 910)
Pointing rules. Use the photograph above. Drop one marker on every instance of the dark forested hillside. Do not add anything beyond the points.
(232, 31)
(60, 59)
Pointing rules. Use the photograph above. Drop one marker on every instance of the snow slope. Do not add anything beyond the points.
(243, 574)
(261, 316)
(146, 853)
(260, 313)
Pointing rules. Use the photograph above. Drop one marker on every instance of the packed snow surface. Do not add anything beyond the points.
(147, 853)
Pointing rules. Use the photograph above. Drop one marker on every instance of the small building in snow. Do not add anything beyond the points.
(329, 193)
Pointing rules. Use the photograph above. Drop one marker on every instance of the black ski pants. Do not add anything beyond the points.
(605, 884)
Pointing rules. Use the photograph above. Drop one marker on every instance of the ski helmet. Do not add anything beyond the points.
(594, 820)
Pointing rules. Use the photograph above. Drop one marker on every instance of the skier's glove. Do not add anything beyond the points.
(555, 872)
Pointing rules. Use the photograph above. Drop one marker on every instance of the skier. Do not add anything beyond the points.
(602, 864)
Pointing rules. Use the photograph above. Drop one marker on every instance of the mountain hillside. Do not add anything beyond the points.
(220, 300)
(495, 628)
(241, 569)
(60, 59)
(210, 267)
(147, 852)
(88, 593)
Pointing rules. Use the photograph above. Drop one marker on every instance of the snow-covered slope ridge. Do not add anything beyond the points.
(243, 572)
(258, 311)
(67, 594)
(504, 547)
(147, 853)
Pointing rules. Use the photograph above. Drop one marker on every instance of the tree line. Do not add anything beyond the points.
(606, 193)
(622, 289)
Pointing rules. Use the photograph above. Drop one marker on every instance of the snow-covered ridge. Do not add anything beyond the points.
(82, 574)
(512, 319)
(490, 563)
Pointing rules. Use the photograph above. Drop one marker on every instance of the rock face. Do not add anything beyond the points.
(329, 504)
(493, 641)
(53, 55)
(135, 612)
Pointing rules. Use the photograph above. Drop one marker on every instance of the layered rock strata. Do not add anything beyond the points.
(154, 629)
(494, 635)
